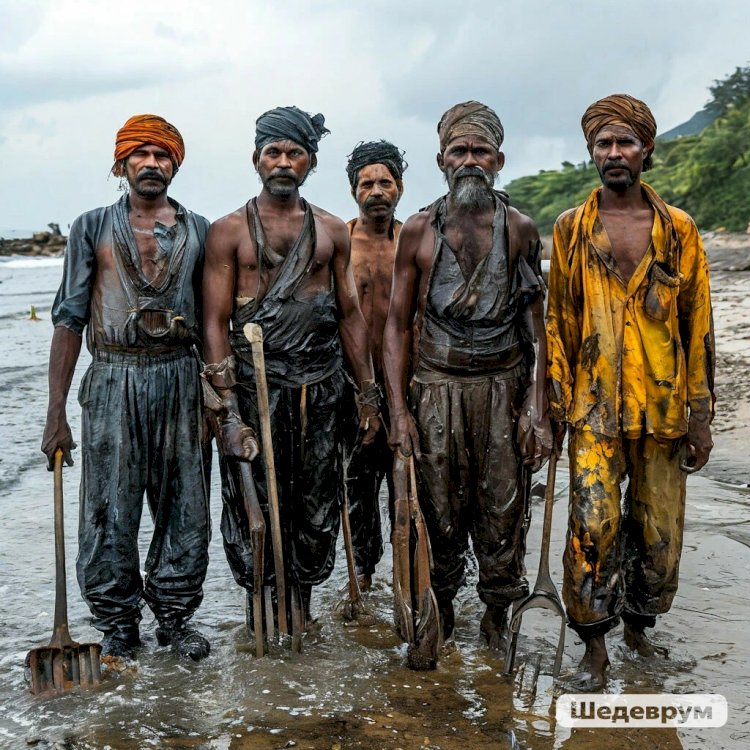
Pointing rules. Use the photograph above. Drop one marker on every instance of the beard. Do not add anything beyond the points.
(282, 188)
(152, 190)
(470, 187)
(619, 183)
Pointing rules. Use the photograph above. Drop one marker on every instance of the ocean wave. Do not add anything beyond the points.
(17, 261)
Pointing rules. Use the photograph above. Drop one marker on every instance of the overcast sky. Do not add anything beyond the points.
(72, 71)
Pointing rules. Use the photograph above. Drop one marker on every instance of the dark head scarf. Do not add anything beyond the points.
(470, 118)
(290, 123)
(375, 152)
(619, 109)
(142, 129)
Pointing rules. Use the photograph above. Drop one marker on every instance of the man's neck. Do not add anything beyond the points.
(278, 204)
(147, 205)
(477, 212)
(622, 200)
(375, 227)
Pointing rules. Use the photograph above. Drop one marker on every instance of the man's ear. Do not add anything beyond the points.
(400, 186)
(440, 162)
(500, 160)
(255, 158)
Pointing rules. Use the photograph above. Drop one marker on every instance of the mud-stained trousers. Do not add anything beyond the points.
(368, 466)
(622, 559)
(141, 433)
(472, 482)
(306, 430)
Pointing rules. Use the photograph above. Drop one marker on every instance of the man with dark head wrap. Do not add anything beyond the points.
(375, 171)
(465, 332)
(630, 374)
(284, 264)
(132, 280)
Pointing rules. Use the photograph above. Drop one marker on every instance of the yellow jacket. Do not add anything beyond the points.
(624, 360)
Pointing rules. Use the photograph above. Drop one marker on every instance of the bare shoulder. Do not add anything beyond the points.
(333, 225)
(228, 230)
(523, 228)
(415, 226)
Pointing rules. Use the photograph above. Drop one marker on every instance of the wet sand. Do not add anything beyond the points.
(349, 688)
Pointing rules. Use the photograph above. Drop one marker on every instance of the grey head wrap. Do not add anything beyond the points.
(290, 123)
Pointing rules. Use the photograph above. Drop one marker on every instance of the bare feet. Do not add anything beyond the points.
(494, 627)
(638, 641)
(365, 582)
(592, 670)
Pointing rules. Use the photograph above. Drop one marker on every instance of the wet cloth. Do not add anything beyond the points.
(628, 360)
(465, 395)
(103, 287)
(368, 466)
(622, 558)
(141, 434)
(140, 130)
(141, 416)
(304, 368)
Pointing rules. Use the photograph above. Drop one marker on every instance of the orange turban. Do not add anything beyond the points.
(142, 129)
(619, 109)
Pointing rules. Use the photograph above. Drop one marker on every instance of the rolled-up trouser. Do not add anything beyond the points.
(472, 481)
(141, 433)
(368, 465)
(622, 561)
(306, 431)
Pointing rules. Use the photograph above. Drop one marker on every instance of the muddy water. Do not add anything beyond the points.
(349, 688)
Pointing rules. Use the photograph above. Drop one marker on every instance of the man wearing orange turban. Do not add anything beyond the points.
(131, 280)
(630, 373)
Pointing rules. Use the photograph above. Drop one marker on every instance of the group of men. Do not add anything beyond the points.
(446, 313)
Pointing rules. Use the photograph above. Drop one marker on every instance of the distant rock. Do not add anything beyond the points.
(47, 244)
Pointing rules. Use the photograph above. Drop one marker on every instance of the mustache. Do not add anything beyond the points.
(371, 202)
(615, 165)
(283, 173)
(462, 172)
(151, 174)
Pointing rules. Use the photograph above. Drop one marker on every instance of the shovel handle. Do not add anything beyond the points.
(61, 588)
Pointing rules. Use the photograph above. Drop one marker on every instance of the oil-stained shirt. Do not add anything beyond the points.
(628, 359)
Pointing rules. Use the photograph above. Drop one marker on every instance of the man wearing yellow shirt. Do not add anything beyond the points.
(630, 373)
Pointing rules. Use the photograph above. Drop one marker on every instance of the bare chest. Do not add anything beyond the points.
(470, 241)
(630, 238)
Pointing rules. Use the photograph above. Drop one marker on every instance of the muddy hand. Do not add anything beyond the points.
(239, 441)
(534, 438)
(369, 424)
(698, 445)
(57, 434)
(404, 435)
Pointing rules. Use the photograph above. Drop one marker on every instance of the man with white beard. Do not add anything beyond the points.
(464, 357)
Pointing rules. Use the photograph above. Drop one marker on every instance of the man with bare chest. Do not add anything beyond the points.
(630, 374)
(464, 356)
(132, 279)
(285, 264)
(375, 171)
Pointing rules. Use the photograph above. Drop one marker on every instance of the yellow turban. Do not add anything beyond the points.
(619, 109)
(470, 118)
(142, 129)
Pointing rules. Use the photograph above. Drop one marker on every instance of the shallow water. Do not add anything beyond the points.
(349, 687)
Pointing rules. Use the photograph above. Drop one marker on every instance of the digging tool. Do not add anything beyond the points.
(428, 631)
(257, 543)
(415, 605)
(544, 594)
(400, 537)
(254, 334)
(62, 664)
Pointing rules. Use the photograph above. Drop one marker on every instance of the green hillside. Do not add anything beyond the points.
(707, 175)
